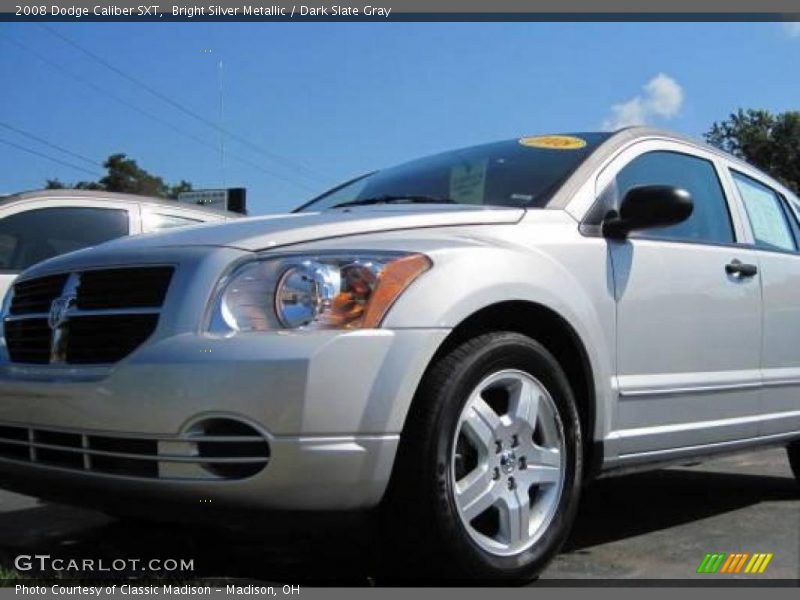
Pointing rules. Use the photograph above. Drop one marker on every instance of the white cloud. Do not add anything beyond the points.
(626, 114)
(792, 29)
(661, 97)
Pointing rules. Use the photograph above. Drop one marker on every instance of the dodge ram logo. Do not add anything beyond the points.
(58, 319)
(59, 310)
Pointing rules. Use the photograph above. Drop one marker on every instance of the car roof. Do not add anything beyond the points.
(622, 138)
(74, 194)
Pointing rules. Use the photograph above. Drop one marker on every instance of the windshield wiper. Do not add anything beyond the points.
(399, 199)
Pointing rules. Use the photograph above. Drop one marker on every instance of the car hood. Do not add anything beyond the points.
(261, 233)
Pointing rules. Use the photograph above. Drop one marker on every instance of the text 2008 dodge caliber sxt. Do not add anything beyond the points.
(463, 341)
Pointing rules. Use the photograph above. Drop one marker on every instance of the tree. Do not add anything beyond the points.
(54, 184)
(124, 175)
(181, 186)
(770, 142)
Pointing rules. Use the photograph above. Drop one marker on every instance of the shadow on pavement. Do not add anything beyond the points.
(618, 508)
(611, 510)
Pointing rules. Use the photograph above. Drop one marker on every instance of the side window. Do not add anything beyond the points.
(710, 221)
(791, 214)
(156, 222)
(766, 213)
(29, 237)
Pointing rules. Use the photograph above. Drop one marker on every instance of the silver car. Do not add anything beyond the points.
(461, 343)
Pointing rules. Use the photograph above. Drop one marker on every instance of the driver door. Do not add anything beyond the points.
(688, 326)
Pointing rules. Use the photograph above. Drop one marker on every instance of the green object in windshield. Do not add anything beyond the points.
(468, 181)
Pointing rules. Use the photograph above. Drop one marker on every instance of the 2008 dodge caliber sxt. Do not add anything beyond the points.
(465, 339)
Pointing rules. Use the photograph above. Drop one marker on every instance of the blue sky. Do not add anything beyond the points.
(313, 104)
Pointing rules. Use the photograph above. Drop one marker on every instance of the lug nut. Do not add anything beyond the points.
(523, 463)
(514, 441)
(498, 446)
(496, 474)
(511, 483)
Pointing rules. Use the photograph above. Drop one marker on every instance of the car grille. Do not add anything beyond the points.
(124, 288)
(112, 312)
(36, 295)
(216, 449)
(106, 339)
(28, 340)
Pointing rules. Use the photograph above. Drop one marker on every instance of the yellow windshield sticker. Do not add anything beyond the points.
(555, 142)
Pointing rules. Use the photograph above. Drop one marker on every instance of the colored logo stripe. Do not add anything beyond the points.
(723, 563)
(726, 566)
(758, 563)
(735, 562)
(711, 562)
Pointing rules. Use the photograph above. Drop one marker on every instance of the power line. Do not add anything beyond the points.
(177, 105)
(48, 157)
(50, 144)
(164, 122)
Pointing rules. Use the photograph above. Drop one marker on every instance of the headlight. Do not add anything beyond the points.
(323, 291)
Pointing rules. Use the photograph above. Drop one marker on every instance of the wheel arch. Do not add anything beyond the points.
(555, 333)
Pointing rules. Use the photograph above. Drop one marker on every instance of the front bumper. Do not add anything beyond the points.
(331, 406)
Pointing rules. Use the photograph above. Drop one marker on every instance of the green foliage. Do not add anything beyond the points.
(124, 175)
(768, 141)
(54, 184)
(181, 186)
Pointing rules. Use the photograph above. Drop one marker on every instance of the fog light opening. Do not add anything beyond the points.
(235, 450)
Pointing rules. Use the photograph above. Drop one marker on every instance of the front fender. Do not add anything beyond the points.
(577, 286)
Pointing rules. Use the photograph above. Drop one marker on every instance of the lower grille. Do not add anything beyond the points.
(13, 443)
(215, 449)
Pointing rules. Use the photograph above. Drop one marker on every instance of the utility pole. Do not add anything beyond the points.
(221, 124)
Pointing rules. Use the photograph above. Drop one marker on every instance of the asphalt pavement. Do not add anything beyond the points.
(656, 525)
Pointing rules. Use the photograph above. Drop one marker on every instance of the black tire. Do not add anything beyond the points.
(434, 543)
(793, 450)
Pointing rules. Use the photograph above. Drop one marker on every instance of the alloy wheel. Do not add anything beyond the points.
(508, 462)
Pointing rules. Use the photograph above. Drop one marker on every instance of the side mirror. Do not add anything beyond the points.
(647, 207)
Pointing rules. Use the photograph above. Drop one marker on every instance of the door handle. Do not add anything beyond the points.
(739, 269)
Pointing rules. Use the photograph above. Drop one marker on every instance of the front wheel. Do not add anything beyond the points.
(489, 470)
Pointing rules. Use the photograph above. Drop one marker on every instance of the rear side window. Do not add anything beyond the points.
(766, 213)
(710, 221)
(791, 214)
(29, 237)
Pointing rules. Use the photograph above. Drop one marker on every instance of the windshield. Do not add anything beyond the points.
(524, 172)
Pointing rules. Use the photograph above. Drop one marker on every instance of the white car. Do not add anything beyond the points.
(459, 343)
(35, 226)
